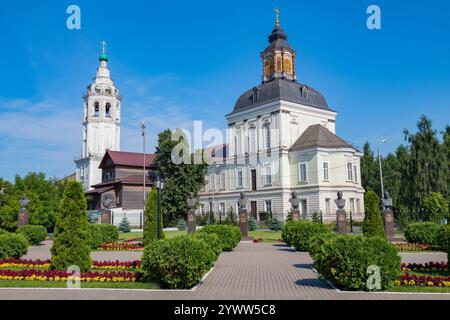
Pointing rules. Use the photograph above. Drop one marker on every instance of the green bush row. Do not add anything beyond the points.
(426, 232)
(34, 234)
(345, 261)
(229, 236)
(103, 233)
(12, 245)
(299, 233)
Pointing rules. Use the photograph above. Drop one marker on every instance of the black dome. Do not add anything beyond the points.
(280, 89)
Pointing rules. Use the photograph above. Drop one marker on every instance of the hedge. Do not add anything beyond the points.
(12, 245)
(103, 233)
(177, 263)
(315, 242)
(34, 234)
(229, 236)
(422, 232)
(212, 240)
(298, 233)
(344, 260)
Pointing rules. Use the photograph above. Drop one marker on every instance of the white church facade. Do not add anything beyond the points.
(282, 138)
(101, 125)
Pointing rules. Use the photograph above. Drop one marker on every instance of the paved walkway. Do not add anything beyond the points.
(252, 271)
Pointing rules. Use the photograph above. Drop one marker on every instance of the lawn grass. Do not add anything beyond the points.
(63, 284)
(419, 289)
(267, 236)
(130, 235)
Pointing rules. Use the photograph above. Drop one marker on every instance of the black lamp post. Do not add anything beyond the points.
(210, 210)
(159, 184)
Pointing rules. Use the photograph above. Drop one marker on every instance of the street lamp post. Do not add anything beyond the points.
(210, 210)
(159, 183)
(144, 171)
(381, 169)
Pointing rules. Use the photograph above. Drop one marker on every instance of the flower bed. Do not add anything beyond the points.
(59, 275)
(427, 267)
(24, 263)
(423, 281)
(404, 246)
(120, 246)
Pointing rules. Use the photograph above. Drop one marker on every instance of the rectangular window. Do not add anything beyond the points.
(268, 205)
(328, 206)
(267, 129)
(303, 172)
(252, 140)
(358, 206)
(352, 205)
(304, 208)
(355, 172)
(239, 178)
(222, 181)
(212, 185)
(326, 172)
(267, 175)
(222, 208)
(349, 171)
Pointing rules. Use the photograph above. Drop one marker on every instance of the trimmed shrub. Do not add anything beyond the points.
(124, 225)
(275, 224)
(212, 240)
(34, 234)
(12, 246)
(441, 239)
(422, 232)
(3, 231)
(109, 232)
(251, 224)
(315, 242)
(373, 220)
(229, 236)
(344, 260)
(181, 225)
(71, 244)
(288, 231)
(151, 218)
(96, 235)
(177, 263)
(303, 231)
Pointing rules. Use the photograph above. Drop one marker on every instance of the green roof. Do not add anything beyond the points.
(103, 57)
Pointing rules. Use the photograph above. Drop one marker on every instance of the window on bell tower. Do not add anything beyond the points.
(96, 109)
(108, 110)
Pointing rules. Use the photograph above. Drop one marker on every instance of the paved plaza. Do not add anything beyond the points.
(253, 271)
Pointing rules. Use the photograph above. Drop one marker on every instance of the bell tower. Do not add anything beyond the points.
(101, 124)
(279, 57)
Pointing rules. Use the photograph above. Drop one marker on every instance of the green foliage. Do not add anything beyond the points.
(289, 215)
(177, 263)
(317, 217)
(202, 220)
(230, 219)
(44, 195)
(422, 232)
(12, 245)
(300, 232)
(251, 224)
(71, 244)
(179, 179)
(109, 232)
(212, 240)
(287, 232)
(373, 220)
(275, 224)
(34, 234)
(442, 239)
(124, 225)
(344, 260)
(316, 242)
(182, 226)
(230, 236)
(151, 218)
(95, 235)
(436, 207)
(369, 169)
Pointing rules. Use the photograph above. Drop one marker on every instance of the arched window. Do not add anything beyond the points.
(108, 90)
(96, 109)
(107, 110)
(97, 90)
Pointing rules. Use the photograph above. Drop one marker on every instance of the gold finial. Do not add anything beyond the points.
(277, 16)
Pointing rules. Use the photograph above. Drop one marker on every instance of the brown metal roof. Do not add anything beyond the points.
(100, 190)
(131, 159)
(319, 136)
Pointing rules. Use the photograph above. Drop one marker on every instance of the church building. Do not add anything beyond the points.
(101, 125)
(282, 138)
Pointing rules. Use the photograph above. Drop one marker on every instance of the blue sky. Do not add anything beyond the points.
(179, 61)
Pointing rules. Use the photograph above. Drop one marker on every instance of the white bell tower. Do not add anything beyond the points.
(101, 124)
